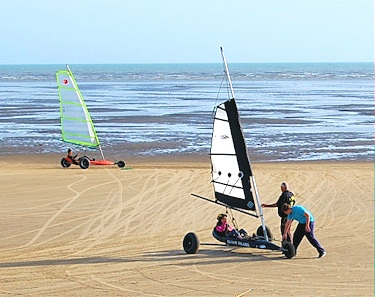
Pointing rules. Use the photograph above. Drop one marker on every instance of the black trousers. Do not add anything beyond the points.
(301, 232)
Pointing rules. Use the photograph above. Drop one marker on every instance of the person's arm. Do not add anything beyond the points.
(220, 228)
(307, 226)
(288, 224)
(269, 205)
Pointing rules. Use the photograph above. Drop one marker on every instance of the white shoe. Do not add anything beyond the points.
(322, 254)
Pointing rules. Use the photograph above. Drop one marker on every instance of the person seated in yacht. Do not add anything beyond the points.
(224, 229)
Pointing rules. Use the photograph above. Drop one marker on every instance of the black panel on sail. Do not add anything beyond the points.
(231, 169)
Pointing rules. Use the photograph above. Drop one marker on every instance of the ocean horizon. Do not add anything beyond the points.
(192, 71)
(289, 111)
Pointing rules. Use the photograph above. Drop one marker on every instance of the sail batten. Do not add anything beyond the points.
(232, 186)
(221, 120)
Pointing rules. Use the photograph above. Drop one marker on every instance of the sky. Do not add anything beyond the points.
(179, 31)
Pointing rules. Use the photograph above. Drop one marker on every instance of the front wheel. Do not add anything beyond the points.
(121, 164)
(191, 243)
(290, 251)
(261, 233)
(64, 163)
(84, 162)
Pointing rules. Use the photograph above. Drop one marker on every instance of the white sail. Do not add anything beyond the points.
(230, 164)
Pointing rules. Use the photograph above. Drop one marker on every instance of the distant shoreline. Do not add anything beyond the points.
(188, 63)
(201, 159)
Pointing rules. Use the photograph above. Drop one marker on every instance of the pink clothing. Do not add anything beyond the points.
(224, 227)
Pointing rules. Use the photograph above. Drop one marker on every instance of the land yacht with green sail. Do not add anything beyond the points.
(77, 126)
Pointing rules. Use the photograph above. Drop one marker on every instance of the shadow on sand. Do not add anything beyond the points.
(73, 261)
(171, 257)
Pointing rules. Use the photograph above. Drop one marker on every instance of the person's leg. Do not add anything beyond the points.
(234, 233)
(298, 235)
(282, 225)
(282, 229)
(314, 242)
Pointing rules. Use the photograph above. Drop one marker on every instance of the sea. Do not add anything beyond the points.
(289, 111)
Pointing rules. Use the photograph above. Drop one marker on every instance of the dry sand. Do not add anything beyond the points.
(106, 231)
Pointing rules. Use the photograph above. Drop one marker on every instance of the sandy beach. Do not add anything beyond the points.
(112, 232)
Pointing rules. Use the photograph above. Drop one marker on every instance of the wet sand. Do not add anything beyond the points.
(106, 231)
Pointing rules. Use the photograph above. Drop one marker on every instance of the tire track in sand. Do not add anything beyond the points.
(50, 220)
(62, 209)
(108, 214)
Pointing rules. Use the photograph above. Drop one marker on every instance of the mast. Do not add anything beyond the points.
(80, 96)
(226, 70)
(252, 177)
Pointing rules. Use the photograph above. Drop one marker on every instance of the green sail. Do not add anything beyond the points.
(76, 124)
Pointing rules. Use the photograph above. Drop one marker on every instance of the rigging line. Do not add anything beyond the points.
(226, 185)
(227, 81)
(218, 93)
(234, 185)
(234, 222)
(214, 110)
(215, 179)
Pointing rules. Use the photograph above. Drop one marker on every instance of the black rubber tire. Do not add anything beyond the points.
(191, 243)
(243, 232)
(64, 163)
(121, 164)
(269, 233)
(84, 162)
(291, 252)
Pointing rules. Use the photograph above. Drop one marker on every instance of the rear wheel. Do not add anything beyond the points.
(84, 162)
(191, 243)
(261, 233)
(243, 232)
(121, 164)
(64, 163)
(290, 250)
